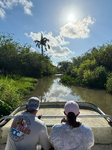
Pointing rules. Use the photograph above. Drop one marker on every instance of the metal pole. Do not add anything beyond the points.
(80, 116)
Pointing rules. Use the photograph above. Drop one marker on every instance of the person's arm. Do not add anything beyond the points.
(50, 138)
(63, 120)
(43, 138)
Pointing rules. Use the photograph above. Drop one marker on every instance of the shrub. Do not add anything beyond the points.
(96, 78)
(74, 72)
(89, 78)
(11, 92)
(100, 77)
(109, 83)
(4, 108)
(86, 65)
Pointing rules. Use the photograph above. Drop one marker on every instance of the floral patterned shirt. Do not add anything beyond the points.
(63, 137)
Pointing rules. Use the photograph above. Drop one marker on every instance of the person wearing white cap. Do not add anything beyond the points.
(27, 130)
(71, 134)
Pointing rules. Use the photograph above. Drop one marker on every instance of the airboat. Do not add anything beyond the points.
(52, 113)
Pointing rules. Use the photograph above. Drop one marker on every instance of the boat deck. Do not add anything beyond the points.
(101, 129)
(92, 122)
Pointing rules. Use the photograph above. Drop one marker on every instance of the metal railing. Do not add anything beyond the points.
(80, 116)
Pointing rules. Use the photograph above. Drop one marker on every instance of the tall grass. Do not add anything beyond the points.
(12, 89)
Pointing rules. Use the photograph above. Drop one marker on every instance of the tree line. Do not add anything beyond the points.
(19, 70)
(92, 69)
(17, 59)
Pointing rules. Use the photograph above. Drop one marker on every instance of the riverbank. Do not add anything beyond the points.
(96, 84)
(12, 89)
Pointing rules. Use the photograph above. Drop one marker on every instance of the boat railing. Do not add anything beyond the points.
(80, 116)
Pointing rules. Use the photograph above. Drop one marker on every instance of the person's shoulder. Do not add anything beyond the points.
(58, 125)
(39, 121)
(56, 128)
(85, 127)
(20, 114)
(25, 113)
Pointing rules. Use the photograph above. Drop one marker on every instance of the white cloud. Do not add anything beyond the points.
(32, 49)
(9, 4)
(78, 30)
(27, 5)
(27, 11)
(26, 34)
(54, 63)
(2, 4)
(59, 40)
(59, 52)
(2, 13)
(34, 36)
(56, 49)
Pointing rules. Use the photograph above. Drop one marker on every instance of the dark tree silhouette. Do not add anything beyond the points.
(42, 43)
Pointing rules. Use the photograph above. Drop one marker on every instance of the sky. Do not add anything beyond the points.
(72, 26)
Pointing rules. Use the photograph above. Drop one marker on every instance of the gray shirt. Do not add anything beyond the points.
(63, 137)
(26, 132)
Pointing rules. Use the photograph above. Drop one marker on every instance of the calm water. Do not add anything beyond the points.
(50, 89)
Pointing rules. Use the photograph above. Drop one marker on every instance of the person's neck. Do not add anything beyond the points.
(32, 112)
(76, 124)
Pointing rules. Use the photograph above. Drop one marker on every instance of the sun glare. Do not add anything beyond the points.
(71, 17)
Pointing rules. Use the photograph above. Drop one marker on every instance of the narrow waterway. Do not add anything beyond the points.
(49, 89)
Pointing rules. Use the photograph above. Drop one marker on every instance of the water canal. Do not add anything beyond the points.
(50, 89)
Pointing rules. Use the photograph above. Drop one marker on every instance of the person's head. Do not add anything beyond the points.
(71, 110)
(71, 106)
(33, 105)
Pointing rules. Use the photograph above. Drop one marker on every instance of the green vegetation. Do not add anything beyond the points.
(17, 59)
(93, 69)
(12, 89)
(18, 68)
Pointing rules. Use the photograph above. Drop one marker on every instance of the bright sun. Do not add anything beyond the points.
(71, 17)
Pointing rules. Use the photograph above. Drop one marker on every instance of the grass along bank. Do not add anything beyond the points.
(12, 89)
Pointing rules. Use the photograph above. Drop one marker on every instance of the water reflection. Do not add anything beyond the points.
(99, 97)
(58, 92)
(50, 89)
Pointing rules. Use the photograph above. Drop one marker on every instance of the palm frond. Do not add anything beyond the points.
(36, 41)
(48, 46)
(38, 45)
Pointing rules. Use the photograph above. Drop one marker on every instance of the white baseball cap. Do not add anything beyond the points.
(33, 103)
(71, 106)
